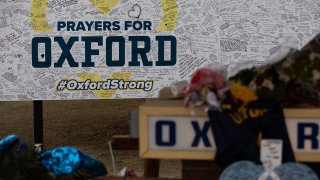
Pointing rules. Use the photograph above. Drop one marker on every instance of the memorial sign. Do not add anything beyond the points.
(102, 49)
(170, 131)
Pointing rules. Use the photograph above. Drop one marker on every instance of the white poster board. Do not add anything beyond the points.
(101, 49)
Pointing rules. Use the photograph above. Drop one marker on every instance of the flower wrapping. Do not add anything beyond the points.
(68, 160)
(9, 142)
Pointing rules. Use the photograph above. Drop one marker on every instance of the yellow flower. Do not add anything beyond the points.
(242, 93)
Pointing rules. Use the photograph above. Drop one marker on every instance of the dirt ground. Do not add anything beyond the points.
(87, 125)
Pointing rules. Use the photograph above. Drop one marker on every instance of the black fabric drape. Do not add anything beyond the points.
(237, 142)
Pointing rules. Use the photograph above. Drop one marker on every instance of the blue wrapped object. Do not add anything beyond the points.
(8, 142)
(92, 166)
(61, 161)
(23, 146)
(68, 160)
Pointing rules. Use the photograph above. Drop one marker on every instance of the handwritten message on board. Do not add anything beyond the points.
(102, 49)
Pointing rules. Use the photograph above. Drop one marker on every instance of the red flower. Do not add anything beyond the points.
(206, 77)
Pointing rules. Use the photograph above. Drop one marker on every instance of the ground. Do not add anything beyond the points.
(87, 125)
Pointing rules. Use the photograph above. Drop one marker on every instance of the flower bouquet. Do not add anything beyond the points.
(248, 106)
(293, 81)
(206, 87)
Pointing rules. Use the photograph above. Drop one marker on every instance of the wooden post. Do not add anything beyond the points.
(151, 167)
(125, 142)
(38, 125)
(200, 169)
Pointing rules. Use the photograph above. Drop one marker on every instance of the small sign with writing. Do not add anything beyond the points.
(271, 153)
